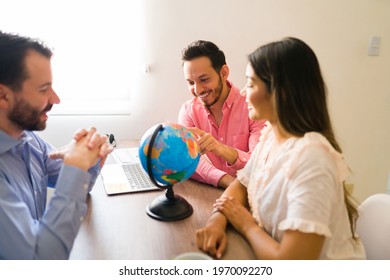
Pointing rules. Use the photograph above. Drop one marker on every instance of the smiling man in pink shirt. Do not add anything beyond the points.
(218, 114)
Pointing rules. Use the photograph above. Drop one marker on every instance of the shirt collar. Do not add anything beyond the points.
(8, 142)
(232, 95)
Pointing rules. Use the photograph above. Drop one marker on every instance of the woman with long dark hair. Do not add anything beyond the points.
(289, 201)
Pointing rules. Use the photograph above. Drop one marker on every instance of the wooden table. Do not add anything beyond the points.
(117, 227)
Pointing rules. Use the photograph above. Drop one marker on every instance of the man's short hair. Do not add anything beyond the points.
(13, 50)
(208, 49)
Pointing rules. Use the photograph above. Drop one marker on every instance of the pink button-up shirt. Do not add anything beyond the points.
(236, 130)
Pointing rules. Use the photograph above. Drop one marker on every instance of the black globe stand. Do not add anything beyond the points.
(168, 207)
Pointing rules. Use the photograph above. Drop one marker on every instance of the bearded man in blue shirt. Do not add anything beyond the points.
(28, 164)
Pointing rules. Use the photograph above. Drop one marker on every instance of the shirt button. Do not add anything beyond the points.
(85, 186)
(221, 139)
(81, 219)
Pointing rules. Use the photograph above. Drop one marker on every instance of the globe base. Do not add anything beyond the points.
(172, 208)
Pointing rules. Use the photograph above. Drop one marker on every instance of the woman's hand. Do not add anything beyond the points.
(238, 216)
(212, 239)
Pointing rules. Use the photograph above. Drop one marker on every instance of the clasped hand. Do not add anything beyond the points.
(238, 215)
(212, 238)
(84, 151)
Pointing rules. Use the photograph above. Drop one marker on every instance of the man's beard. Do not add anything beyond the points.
(217, 94)
(27, 117)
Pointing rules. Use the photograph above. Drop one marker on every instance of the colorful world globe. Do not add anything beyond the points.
(174, 154)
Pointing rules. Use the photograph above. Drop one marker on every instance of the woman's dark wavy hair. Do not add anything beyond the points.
(292, 74)
(13, 50)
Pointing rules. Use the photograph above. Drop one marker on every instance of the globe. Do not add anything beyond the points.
(174, 153)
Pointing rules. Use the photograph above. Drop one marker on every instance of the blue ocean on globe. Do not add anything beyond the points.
(175, 153)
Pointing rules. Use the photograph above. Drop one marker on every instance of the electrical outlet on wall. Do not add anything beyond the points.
(374, 44)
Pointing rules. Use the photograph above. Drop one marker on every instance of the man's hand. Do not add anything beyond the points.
(84, 150)
(207, 143)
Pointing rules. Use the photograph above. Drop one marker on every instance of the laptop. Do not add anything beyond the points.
(125, 173)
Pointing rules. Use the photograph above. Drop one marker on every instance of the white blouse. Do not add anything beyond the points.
(300, 188)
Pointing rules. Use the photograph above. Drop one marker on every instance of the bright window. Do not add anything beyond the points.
(96, 47)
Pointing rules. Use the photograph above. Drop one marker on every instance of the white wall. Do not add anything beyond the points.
(337, 30)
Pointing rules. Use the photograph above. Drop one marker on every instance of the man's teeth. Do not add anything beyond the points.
(205, 94)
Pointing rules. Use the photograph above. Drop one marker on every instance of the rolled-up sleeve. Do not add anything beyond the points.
(242, 156)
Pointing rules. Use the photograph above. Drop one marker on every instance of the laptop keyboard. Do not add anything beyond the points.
(137, 177)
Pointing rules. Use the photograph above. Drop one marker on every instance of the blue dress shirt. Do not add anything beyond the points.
(27, 229)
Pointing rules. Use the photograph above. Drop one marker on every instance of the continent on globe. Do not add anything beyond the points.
(175, 153)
